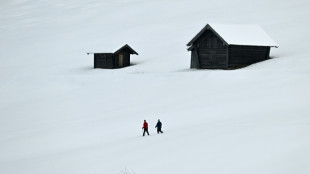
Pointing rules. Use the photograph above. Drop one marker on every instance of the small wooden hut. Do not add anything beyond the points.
(219, 46)
(118, 59)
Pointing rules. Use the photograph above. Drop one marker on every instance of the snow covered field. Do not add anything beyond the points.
(58, 115)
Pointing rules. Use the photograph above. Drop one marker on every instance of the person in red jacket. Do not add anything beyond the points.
(145, 127)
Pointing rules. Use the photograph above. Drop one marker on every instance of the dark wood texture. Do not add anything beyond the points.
(194, 59)
(118, 59)
(240, 56)
(104, 60)
(210, 51)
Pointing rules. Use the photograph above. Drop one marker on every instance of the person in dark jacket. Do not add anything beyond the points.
(145, 127)
(158, 126)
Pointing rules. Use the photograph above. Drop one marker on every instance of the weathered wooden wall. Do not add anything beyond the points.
(212, 52)
(118, 59)
(194, 59)
(126, 59)
(104, 60)
(245, 55)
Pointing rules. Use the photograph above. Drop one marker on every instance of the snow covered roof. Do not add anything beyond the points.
(252, 35)
(132, 51)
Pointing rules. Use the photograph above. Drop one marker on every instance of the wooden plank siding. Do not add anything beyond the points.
(104, 60)
(118, 59)
(211, 51)
(220, 48)
(245, 55)
(194, 59)
(126, 59)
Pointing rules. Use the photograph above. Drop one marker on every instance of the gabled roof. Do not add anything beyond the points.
(251, 35)
(126, 46)
(123, 47)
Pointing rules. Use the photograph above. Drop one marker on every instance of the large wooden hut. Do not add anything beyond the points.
(219, 46)
(118, 59)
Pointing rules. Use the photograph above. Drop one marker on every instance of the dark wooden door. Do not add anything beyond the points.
(121, 60)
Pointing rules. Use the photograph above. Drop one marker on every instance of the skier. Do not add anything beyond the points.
(145, 127)
(158, 126)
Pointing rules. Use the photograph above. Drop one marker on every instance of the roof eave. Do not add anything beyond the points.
(198, 35)
(190, 48)
(276, 46)
(127, 46)
(208, 26)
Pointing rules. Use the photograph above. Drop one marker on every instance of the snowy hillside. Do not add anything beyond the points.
(59, 115)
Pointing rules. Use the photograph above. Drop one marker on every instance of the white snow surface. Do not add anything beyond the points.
(59, 115)
(244, 34)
